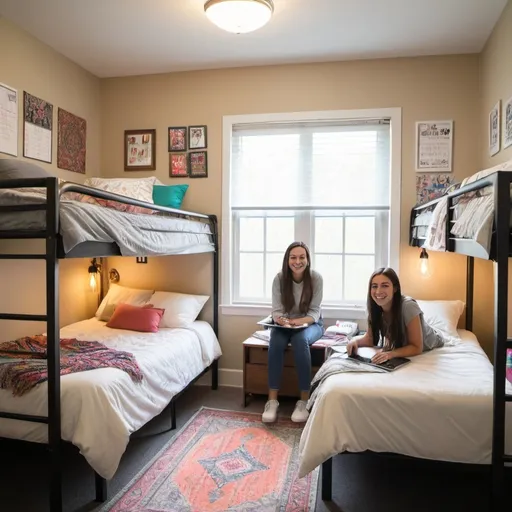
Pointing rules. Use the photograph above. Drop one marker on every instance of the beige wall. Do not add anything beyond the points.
(495, 84)
(28, 65)
(425, 88)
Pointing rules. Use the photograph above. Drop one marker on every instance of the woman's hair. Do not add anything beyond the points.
(394, 332)
(287, 281)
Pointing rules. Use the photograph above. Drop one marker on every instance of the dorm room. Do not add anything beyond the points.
(454, 390)
(169, 361)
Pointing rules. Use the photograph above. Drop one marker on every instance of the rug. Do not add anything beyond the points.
(223, 461)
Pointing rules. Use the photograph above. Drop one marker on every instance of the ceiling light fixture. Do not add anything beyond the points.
(239, 16)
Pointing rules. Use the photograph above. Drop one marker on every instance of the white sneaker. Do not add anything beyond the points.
(270, 413)
(300, 414)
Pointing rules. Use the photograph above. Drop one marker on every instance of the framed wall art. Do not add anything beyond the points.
(197, 137)
(434, 146)
(507, 124)
(198, 164)
(494, 129)
(37, 128)
(140, 150)
(71, 141)
(177, 138)
(178, 167)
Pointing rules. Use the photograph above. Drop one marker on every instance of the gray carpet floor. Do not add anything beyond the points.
(362, 483)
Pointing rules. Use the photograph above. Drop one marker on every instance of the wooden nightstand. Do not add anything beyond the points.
(255, 369)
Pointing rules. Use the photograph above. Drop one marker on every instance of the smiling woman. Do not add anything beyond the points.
(297, 293)
(396, 322)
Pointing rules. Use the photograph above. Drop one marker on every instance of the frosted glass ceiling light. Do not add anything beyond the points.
(239, 16)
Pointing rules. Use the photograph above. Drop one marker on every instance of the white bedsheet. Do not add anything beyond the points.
(101, 408)
(437, 407)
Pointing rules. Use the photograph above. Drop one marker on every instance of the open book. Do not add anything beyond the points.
(364, 356)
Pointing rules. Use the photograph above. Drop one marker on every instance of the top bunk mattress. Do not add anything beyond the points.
(135, 233)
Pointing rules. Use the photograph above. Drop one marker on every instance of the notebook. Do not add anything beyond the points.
(269, 322)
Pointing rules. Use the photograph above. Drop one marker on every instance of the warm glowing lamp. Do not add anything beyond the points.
(239, 16)
(424, 265)
(94, 273)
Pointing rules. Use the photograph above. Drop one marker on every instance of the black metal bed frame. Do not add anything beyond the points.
(54, 252)
(500, 251)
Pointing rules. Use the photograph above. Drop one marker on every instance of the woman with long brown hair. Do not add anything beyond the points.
(395, 321)
(296, 307)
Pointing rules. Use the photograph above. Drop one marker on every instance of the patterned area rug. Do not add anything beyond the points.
(223, 461)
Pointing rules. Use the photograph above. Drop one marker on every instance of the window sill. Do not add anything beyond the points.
(330, 313)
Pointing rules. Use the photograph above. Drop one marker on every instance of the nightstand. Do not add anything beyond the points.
(255, 368)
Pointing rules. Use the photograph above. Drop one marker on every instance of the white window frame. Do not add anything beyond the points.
(395, 117)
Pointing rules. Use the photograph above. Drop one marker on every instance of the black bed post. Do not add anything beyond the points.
(470, 278)
(215, 364)
(53, 344)
(501, 221)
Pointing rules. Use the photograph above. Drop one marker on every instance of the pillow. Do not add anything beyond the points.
(137, 188)
(12, 168)
(136, 318)
(443, 315)
(181, 309)
(509, 365)
(117, 294)
(169, 195)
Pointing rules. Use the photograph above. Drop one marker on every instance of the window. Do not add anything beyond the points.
(321, 178)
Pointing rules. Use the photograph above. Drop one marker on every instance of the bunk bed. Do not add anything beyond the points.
(474, 220)
(44, 208)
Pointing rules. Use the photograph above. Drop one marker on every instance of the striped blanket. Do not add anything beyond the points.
(23, 361)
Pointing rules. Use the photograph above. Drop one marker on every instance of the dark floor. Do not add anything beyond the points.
(363, 483)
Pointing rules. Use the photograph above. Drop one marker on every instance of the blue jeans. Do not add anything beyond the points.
(300, 341)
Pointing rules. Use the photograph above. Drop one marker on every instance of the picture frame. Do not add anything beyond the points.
(197, 137)
(177, 138)
(507, 123)
(178, 165)
(140, 150)
(198, 164)
(494, 129)
(434, 146)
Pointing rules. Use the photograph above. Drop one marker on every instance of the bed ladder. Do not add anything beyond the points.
(53, 420)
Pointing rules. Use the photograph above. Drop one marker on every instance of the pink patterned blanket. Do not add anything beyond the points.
(23, 361)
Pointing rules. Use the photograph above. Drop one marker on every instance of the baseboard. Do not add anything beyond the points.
(227, 377)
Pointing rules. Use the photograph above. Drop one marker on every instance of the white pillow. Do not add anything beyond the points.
(136, 188)
(181, 309)
(443, 315)
(121, 294)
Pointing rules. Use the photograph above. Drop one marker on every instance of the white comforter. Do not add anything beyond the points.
(437, 407)
(101, 408)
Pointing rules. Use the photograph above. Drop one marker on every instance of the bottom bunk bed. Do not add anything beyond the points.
(102, 407)
(438, 407)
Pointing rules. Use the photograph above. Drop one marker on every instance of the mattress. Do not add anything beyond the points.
(102, 407)
(135, 233)
(438, 407)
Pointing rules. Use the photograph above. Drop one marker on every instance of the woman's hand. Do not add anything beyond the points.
(382, 357)
(282, 320)
(352, 348)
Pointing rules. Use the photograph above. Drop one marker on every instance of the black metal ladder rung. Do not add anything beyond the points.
(508, 343)
(24, 417)
(507, 458)
(508, 398)
(26, 318)
(22, 256)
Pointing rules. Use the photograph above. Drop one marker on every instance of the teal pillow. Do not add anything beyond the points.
(169, 195)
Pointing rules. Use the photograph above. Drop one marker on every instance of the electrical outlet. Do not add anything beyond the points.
(141, 259)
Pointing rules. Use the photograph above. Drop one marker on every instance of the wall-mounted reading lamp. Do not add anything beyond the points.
(94, 274)
(424, 266)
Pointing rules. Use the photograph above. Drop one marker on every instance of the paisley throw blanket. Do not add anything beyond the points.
(23, 361)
